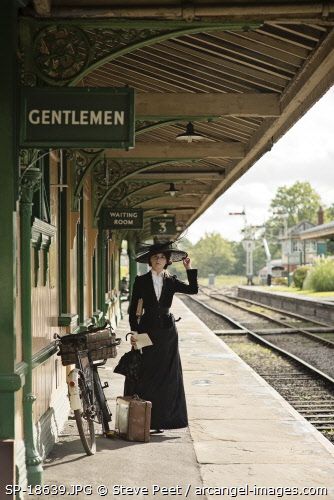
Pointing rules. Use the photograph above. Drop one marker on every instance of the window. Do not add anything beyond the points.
(311, 247)
(296, 246)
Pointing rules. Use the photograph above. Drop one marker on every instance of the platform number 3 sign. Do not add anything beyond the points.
(163, 225)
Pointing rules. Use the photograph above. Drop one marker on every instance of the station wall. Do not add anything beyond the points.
(67, 267)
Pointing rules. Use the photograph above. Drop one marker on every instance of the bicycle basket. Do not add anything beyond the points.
(101, 344)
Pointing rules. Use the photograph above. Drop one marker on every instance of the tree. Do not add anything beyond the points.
(291, 205)
(329, 213)
(259, 257)
(239, 266)
(329, 217)
(299, 201)
(213, 254)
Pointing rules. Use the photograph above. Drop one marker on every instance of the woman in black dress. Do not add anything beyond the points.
(161, 380)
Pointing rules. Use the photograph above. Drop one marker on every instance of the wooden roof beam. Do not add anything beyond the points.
(178, 210)
(150, 106)
(177, 175)
(169, 202)
(175, 151)
(229, 12)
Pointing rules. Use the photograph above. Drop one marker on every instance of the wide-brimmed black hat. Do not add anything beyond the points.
(168, 247)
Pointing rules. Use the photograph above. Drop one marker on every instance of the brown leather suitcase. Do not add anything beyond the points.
(133, 418)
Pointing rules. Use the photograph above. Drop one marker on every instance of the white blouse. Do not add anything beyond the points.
(158, 281)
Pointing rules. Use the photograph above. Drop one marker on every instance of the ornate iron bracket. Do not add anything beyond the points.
(64, 52)
(125, 172)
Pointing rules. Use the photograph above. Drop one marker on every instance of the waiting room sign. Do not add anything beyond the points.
(121, 218)
(77, 117)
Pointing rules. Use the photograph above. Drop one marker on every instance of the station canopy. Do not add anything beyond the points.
(240, 73)
(322, 231)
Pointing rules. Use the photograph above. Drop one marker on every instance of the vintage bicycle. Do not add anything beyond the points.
(88, 350)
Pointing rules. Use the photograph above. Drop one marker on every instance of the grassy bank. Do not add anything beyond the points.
(235, 280)
(227, 280)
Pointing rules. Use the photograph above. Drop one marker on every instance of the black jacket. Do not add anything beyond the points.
(156, 312)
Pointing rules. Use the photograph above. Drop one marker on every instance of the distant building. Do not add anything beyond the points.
(298, 249)
(324, 231)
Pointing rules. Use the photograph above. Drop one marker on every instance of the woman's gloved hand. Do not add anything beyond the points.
(133, 339)
(187, 262)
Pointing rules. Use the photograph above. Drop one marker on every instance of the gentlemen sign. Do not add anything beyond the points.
(163, 225)
(77, 117)
(122, 218)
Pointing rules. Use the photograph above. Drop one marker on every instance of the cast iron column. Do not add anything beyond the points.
(29, 182)
(81, 266)
(10, 379)
(101, 301)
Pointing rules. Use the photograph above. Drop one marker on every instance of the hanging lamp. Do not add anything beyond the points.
(172, 189)
(190, 135)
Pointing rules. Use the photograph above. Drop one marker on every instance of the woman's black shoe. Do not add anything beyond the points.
(156, 431)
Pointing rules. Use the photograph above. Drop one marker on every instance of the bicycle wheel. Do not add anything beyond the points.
(105, 415)
(85, 423)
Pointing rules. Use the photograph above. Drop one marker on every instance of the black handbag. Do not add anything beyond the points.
(130, 364)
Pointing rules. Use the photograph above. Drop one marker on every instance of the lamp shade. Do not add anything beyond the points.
(190, 135)
(172, 189)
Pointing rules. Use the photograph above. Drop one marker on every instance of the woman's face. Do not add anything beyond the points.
(158, 262)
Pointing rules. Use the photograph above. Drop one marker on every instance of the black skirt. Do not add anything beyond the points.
(161, 380)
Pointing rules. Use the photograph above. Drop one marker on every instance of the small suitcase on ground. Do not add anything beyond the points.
(133, 418)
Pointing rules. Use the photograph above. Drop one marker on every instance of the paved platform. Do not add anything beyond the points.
(242, 435)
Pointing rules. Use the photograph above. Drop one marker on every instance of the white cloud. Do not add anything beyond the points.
(305, 153)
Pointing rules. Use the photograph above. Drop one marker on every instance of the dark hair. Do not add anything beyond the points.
(166, 254)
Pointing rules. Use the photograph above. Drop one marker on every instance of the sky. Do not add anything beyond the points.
(304, 153)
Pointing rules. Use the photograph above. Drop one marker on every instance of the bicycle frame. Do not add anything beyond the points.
(87, 371)
(83, 370)
(85, 391)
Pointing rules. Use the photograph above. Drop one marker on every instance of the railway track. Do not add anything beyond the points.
(291, 322)
(312, 351)
(308, 388)
(293, 337)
